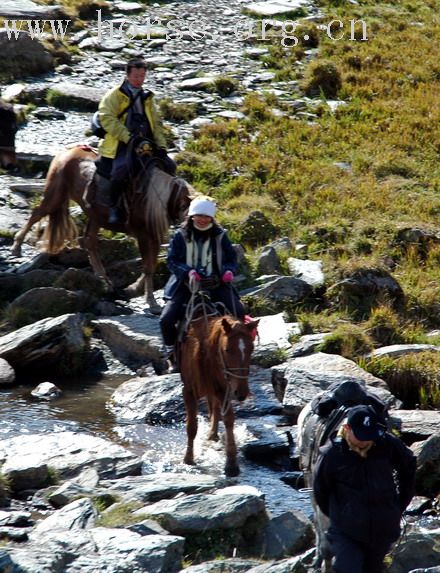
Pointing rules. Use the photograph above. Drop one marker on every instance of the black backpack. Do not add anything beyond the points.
(327, 411)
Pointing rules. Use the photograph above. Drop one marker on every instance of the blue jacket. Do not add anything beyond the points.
(223, 254)
(360, 495)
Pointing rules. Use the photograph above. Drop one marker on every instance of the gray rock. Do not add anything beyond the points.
(7, 373)
(397, 350)
(306, 270)
(77, 96)
(420, 550)
(161, 486)
(195, 84)
(286, 534)
(268, 262)
(46, 391)
(23, 55)
(428, 465)
(45, 342)
(79, 514)
(276, 7)
(281, 289)
(44, 302)
(136, 336)
(307, 344)
(291, 565)
(417, 424)
(233, 565)
(26, 9)
(202, 513)
(156, 400)
(66, 452)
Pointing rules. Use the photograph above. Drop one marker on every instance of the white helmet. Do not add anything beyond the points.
(202, 206)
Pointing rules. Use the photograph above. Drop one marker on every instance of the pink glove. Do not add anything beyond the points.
(228, 277)
(193, 276)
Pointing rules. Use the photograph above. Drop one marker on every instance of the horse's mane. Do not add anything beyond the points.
(156, 189)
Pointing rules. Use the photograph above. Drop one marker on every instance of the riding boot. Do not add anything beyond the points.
(171, 360)
(116, 189)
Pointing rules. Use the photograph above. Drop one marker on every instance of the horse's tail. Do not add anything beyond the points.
(60, 228)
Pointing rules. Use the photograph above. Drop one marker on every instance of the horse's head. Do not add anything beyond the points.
(235, 348)
(179, 200)
(8, 129)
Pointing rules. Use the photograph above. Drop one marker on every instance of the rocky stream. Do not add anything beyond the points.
(92, 433)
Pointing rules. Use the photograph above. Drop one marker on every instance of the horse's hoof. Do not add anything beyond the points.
(232, 470)
(188, 461)
(155, 308)
(16, 252)
(213, 437)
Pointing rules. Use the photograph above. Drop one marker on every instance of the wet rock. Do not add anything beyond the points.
(68, 453)
(156, 400)
(7, 374)
(46, 391)
(161, 486)
(48, 342)
(48, 113)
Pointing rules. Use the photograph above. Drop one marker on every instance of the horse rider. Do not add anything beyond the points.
(129, 117)
(200, 254)
(363, 481)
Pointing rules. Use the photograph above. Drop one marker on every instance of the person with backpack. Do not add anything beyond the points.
(130, 125)
(363, 481)
(200, 255)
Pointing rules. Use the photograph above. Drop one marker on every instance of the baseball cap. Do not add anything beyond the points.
(364, 423)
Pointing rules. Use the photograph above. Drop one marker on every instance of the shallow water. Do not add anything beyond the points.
(82, 407)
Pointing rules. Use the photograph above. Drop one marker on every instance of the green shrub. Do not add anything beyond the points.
(348, 340)
(322, 77)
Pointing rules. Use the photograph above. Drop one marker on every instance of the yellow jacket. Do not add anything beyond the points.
(112, 104)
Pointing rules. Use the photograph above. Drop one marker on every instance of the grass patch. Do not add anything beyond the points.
(121, 515)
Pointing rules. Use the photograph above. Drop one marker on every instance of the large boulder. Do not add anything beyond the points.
(23, 55)
(47, 343)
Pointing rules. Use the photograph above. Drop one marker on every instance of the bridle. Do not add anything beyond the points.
(228, 373)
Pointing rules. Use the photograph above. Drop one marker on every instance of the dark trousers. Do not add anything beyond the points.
(174, 310)
(352, 556)
(124, 164)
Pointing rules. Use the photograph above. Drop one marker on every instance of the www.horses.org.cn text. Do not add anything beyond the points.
(288, 32)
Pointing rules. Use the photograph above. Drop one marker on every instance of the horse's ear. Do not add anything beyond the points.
(227, 327)
(252, 324)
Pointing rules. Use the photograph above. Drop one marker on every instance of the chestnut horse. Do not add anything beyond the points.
(214, 364)
(153, 201)
(8, 129)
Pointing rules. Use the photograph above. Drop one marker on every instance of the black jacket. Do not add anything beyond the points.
(365, 497)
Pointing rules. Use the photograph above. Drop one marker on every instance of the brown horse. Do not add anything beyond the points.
(152, 203)
(214, 364)
(8, 129)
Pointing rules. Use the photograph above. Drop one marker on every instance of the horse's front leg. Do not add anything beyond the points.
(214, 417)
(231, 466)
(191, 424)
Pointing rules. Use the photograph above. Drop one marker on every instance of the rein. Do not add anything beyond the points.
(7, 148)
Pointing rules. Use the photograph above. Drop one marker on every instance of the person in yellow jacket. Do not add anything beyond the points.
(129, 117)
